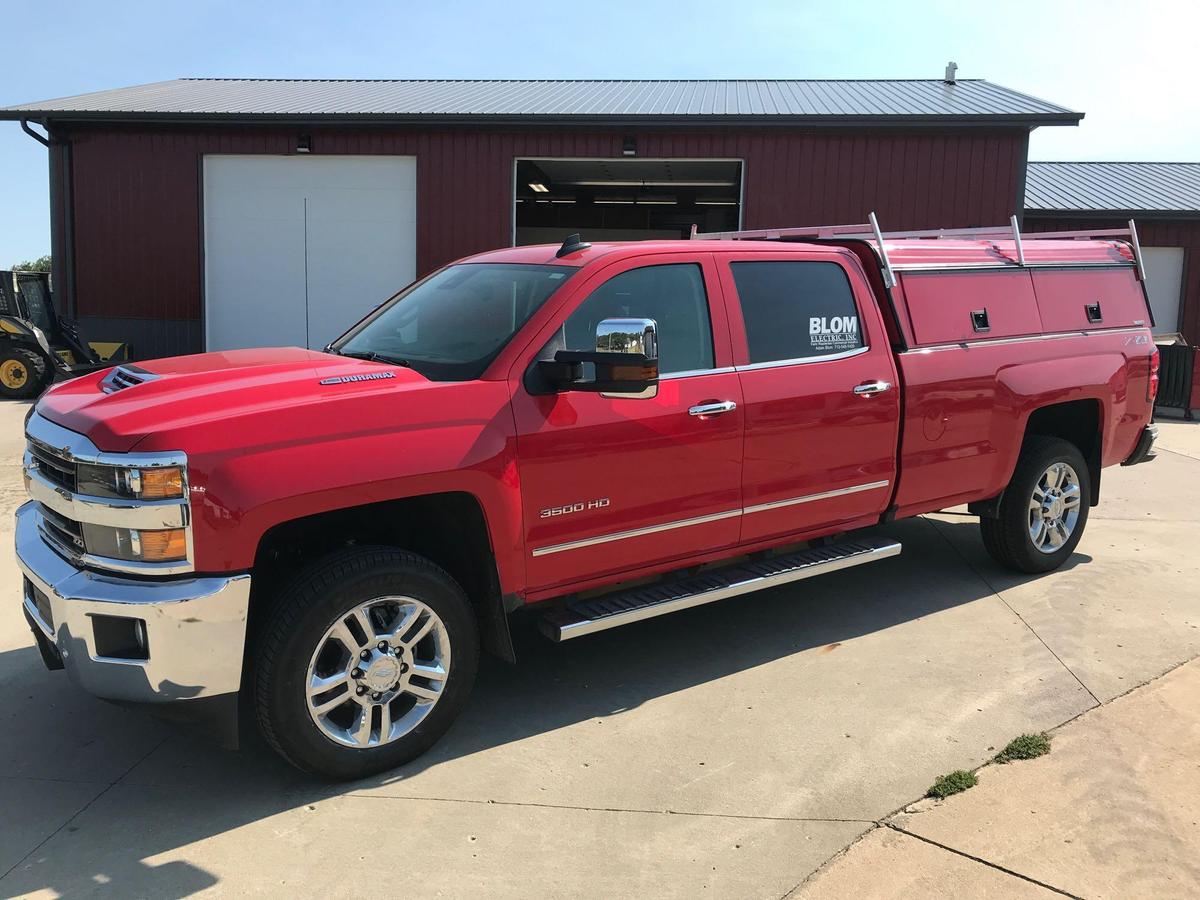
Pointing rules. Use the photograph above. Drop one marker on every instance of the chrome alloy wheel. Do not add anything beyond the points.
(378, 672)
(1054, 507)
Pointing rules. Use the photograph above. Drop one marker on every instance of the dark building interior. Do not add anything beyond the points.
(624, 199)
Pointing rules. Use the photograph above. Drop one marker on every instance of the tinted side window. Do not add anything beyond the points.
(796, 310)
(672, 295)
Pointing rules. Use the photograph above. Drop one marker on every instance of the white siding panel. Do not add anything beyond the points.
(298, 248)
(1164, 284)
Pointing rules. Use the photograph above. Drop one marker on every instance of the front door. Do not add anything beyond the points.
(820, 389)
(610, 484)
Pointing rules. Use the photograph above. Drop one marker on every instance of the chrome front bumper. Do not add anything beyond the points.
(195, 628)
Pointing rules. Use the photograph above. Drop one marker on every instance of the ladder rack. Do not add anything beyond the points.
(870, 230)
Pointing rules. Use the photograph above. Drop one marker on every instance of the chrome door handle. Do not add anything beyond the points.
(872, 387)
(713, 409)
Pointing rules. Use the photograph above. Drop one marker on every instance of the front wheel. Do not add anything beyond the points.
(366, 660)
(1044, 509)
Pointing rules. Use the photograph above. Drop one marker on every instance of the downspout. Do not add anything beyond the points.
(62, 219)
(45, 142)
(1022, 178)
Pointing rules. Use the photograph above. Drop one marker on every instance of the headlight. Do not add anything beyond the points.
(156, 483)
(132, 545)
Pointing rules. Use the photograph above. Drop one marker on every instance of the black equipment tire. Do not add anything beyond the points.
(23, 373)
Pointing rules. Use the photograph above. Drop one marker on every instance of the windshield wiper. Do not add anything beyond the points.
(373, 356)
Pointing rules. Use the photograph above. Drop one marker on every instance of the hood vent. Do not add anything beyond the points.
(124, 377)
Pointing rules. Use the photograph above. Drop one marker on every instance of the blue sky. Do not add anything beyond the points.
(1130, 66)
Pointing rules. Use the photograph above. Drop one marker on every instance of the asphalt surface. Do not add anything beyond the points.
(727, 751)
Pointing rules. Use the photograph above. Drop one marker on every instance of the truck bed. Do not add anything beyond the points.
(982, 341)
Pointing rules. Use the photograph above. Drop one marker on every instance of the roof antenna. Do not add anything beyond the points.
(951, 68)
(571, 245)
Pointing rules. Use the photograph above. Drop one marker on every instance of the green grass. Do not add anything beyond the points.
(954, 783)
(1027, 746)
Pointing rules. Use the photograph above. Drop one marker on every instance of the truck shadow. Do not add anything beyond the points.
(943, 565)
(168, 790)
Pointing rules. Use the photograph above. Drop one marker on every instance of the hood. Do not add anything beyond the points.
(170, 395)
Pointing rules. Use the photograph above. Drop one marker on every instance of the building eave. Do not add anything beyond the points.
(60, 117)
(1122, 214)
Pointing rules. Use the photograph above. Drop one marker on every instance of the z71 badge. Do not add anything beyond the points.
(573, 508)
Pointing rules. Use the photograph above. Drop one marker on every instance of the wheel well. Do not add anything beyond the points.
(448, 529)
(1077, 422)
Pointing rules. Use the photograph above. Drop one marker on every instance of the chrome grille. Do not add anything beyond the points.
(62, 533)
(53, 458)
(55, 468)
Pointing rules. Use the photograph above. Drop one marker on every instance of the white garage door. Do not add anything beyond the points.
(1164, 284)
(298, 248)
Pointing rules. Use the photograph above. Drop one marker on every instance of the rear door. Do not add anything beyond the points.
(610, 483)
(820, 392)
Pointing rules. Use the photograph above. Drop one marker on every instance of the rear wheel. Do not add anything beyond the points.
(22, 373)
(366, 660)
(1044, 509)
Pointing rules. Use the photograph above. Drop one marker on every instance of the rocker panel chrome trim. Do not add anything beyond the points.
(635, 532)
(701, 520)
(825, 495)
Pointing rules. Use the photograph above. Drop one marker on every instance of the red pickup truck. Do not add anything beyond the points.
(595, 434)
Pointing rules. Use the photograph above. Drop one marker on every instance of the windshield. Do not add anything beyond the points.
(450, 326)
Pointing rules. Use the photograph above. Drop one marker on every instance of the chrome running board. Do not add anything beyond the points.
(612, 610)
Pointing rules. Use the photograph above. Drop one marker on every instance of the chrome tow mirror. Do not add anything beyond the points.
(628, 336)
(636, 340)
(625, 359)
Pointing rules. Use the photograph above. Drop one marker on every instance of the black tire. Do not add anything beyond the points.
(23, 373)
(298, 621)
(1008, 538)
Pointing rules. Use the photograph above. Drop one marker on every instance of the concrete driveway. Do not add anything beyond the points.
(727, 751)
(1111, 812)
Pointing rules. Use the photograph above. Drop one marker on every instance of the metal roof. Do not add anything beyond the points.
(1171, 188)
(966, 101)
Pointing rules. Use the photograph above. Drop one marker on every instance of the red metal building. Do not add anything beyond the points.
(1162, 198)
(207, 214)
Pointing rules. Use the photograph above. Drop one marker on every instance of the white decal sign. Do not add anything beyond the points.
(831, 334)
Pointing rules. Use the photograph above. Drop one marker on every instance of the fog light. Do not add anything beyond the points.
(116, 637)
